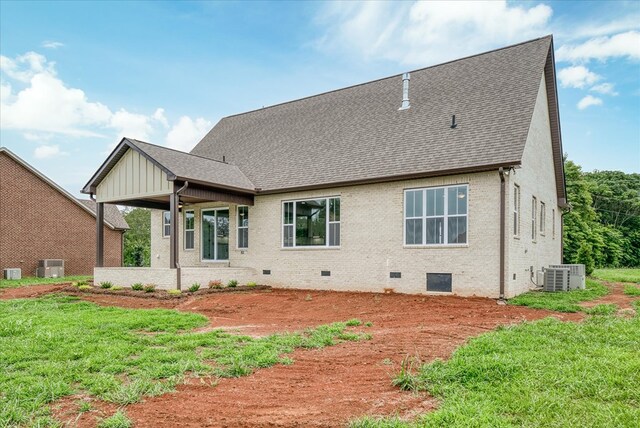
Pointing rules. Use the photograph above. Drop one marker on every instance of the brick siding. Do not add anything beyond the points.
(38, 222)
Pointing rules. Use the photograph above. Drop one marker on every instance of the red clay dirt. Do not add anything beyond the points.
(30, 291)
(616, 296)
(325, 387)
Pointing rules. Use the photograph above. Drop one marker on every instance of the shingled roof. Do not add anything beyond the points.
(178, 166)
(357, 134)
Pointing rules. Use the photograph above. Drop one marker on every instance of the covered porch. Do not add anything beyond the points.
(139, 174)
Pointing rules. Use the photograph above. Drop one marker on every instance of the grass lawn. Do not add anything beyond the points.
(12, 283)
(55, 346)
(546, 373)
(618, 275)
(566, 301)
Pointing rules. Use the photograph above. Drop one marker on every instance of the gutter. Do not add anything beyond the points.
(501, 172)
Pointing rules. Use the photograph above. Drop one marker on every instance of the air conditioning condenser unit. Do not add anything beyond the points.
(556, 279)
(577, 275)
(50, 268)
(13, 273)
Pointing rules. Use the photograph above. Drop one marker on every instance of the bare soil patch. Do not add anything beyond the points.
(616, 296)
(325, 387)
(28, 291)
(162, 294)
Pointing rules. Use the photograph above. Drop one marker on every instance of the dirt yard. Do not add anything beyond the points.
(325, 387)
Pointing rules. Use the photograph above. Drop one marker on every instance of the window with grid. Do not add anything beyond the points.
(243, 227)
(436, 216)
(189, 230)
(543, 218)
(311, 223)
(166, 224)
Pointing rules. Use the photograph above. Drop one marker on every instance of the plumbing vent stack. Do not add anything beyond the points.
(405, 91)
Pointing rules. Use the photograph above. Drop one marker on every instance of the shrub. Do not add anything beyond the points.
(232, 283)
(137, 287)
(585, 257)
(75, 284)
(149, 288)
(84, 287)
(117, 288)
(251, 284)
(194, 287)
(106, 284)
(215, 284)
(175, 292)
(83, 282)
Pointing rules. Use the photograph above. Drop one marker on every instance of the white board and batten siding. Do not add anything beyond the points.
(134, 176)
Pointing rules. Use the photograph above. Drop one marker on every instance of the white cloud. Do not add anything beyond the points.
(26, 66)
(186, 133)
(44, 151)
(623, 45)
(131, 125)
(588, 101)
(51, 44)
(160, 117)
(605, 89)
(577, 77)
(422, 33)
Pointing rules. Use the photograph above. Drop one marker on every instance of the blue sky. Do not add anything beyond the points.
(77, 76)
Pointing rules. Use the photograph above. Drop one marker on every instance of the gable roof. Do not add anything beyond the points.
(178, 166)
(357, 134)
(112, 215)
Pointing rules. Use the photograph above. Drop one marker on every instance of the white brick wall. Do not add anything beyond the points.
(372, 234)
(371, 242)
(536, 178)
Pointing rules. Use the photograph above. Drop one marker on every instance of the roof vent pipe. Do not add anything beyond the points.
(405, 91)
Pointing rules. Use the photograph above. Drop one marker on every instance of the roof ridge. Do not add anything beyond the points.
(179, 151)
(389, 77)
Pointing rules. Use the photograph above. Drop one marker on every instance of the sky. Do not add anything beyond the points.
(76, 77)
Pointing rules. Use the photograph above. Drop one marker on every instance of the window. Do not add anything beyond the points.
(243, 227)
(311, 223)
(516, 210)
(166, 224)
(436, 216)
(534, 211)
(553, 223)
(543, 217)
(189, 230)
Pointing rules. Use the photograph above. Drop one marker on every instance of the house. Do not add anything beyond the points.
(40, 220)
(447, 179)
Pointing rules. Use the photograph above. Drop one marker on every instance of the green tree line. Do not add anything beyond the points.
(603, 227)
(137, 240)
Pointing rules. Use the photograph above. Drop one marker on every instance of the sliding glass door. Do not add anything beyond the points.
(215, 234)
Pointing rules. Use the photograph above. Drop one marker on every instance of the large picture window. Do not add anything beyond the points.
(166, 223)
(311, 223)
(189, 230)
(436, 216)
(243, 227)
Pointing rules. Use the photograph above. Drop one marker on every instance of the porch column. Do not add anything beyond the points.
(99, 234)
(173, 231)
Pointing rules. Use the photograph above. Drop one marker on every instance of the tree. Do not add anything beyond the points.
(137, 240)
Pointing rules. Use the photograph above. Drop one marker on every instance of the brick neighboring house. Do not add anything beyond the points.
(448, 179)
(40, 220)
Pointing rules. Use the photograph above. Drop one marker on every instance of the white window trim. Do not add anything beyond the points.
(543, 218)
(516, 209)
(308, 247)
(238, 228)
(534, 218)
(425, 216)
(164, 225)
(215, 247)
(184, 222)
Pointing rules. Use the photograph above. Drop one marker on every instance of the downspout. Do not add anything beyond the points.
(502, 237)
(178, 268)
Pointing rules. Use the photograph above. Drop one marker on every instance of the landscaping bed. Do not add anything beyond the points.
(160, 294)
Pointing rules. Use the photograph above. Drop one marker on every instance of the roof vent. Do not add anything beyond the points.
(405, 91)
